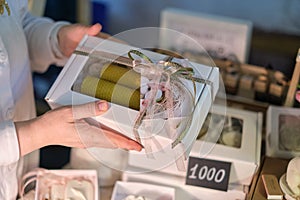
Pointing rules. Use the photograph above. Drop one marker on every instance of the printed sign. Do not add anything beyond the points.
(220, 37)
(208, 173)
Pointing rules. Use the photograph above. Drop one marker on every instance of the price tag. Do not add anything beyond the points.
(208, 173)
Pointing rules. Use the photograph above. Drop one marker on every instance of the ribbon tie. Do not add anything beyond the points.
(163, 75)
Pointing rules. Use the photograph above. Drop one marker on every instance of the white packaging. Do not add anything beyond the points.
(183, 191)
(67, 184)
(137, 190)
(122, 118)
(244, 159)
(283, 132)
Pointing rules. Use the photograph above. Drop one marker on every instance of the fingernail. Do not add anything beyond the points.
(139, 147)
(102, 105)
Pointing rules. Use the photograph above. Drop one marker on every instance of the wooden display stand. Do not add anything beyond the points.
(244, 83)
(257, 71)
(294, 82)
(275, 166)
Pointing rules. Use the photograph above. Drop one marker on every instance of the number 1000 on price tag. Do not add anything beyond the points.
(208, 173)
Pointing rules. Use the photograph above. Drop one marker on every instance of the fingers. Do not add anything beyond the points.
(99, 136)
(70, 35)
(90, 109)
(120, 140)
(94, 30)
(126, 143)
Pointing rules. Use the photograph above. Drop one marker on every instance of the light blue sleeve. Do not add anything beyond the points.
(41, 35)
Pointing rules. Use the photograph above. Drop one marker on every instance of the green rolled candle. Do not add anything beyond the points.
(121, 75)
(111, 92)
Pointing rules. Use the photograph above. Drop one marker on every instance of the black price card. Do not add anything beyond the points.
(208, 173)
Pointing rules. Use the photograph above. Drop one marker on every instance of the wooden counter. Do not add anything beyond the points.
(275, 166)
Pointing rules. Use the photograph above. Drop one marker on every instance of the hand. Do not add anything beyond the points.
(69, 36)
(69, 126)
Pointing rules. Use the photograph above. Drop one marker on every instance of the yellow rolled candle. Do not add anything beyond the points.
(111, 92)
(121, 75)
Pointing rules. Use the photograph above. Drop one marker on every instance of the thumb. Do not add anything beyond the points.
(94, 30)
(89, 109)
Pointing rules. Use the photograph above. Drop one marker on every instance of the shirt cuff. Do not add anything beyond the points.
(60, 59)
(9, 145)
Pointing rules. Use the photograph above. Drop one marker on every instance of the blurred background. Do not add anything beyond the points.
(274, 44)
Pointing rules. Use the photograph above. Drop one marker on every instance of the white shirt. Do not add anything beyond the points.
(26, 43)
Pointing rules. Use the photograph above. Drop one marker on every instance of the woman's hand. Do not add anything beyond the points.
(69, 36)
(72, 127)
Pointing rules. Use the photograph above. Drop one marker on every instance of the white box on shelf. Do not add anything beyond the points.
(244, 157)
(93, 50)
(183, 191)
(65, 184)
(138, 190)
(283, 132)
(222, 37)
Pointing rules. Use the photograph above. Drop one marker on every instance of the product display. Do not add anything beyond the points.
(211, 102)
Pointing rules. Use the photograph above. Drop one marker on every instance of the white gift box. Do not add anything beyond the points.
(185, 191)
(122, 118)
(65, 184)
(244, 159)
(283, 132)
(137, 190)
